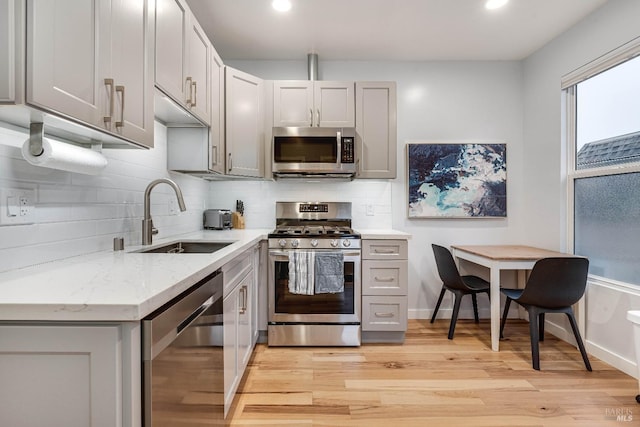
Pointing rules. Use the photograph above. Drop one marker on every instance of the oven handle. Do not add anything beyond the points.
(286, 253)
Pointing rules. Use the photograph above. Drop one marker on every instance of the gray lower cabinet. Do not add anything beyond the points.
(239, 311)
(384, 290)
(70, 376)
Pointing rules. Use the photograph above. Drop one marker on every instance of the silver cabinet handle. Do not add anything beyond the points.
(383, 279)
(318, 117)
(189, 81)
(243, 291)
(384, 251)
(195, 94)
(384, 314)
(109, 84)
(214, 157)
(120, 124)
(230, 163)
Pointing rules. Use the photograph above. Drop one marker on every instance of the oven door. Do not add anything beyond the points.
(285, 307)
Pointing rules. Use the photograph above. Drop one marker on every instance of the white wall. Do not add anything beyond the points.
(437, 101)
(608, 333)
(77, 214)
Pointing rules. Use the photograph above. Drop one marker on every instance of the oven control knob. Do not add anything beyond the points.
(282, 243)
(346, 243)
(295, 243)
(314, 242)
(334, 243)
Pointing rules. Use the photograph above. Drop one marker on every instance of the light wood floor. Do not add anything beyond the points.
(432, 381)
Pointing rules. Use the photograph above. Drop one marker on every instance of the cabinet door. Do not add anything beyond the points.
(245, 337)
(293, 103)
(7, 51)
(244, 123)
(376, 129)
(131, 69)
(198, 66)
(171, 50)
(231, 367)
(334, 104)
(67, 376)
(216, 131)
(67, 53)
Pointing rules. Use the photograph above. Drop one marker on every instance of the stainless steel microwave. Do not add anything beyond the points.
(314, 151)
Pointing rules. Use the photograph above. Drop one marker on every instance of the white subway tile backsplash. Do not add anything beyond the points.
(259, 199)
(75, 214)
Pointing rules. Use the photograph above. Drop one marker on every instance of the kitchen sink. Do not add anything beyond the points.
(186, 247)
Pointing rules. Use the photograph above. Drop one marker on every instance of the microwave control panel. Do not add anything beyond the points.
(348, 150)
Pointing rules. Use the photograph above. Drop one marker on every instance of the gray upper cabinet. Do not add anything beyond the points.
(244, 124)
(7, 50)
(216, 132)
(376, 129)
(89, 61)
(313, 103)
(182, 58)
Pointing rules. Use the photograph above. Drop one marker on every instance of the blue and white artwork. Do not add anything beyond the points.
(457, 180)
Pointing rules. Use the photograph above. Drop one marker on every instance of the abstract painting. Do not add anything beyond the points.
(453, 180)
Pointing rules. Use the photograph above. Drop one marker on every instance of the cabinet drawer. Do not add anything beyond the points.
(384, 249)
(236, 270)
(384, 277)
(384, 313)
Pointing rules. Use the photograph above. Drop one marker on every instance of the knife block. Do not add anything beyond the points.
(237, 220)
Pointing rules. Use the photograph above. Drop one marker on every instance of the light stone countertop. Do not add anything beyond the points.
(114, 286)
(124, 285)
(383, 234)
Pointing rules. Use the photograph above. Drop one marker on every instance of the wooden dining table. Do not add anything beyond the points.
(502, 257)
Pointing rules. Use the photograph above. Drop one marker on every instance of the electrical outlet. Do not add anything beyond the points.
(16, 206)
(370, 210)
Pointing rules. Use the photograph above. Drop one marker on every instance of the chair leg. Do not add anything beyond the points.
(435, 311)
(576, 333)
(507, 303)
(454, 316)
(475, 307)
(533, 331)
(541, 326)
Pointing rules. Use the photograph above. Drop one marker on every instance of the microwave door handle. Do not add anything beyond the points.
(339, 147)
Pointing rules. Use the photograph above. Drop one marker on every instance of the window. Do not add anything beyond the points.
(604, 173)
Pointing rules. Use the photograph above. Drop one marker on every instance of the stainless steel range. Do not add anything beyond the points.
(314, 276)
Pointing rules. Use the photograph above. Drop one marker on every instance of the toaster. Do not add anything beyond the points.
(217, 219)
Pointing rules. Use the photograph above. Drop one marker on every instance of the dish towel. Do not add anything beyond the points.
(329, 273)
(301, 272)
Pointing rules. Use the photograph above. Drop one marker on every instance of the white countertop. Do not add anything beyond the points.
(123, 285)
(114, 286)
(383, 234)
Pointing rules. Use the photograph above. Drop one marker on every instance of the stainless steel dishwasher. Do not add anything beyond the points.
(183, 359)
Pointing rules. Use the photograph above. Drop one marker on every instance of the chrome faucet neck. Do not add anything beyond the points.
(147, 223)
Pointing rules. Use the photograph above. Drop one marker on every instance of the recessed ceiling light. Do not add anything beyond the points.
(281, 5)
(495, 4)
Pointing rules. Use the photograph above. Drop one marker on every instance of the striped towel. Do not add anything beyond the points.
(301, 272)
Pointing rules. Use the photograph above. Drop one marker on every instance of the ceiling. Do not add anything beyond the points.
(398, 30)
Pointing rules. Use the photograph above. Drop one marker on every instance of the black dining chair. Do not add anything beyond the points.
(459, 285)
(555, 284)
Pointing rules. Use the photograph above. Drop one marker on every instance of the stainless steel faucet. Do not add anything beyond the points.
(147, 223)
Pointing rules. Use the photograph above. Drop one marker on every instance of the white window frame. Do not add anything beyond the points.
(568, 85)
